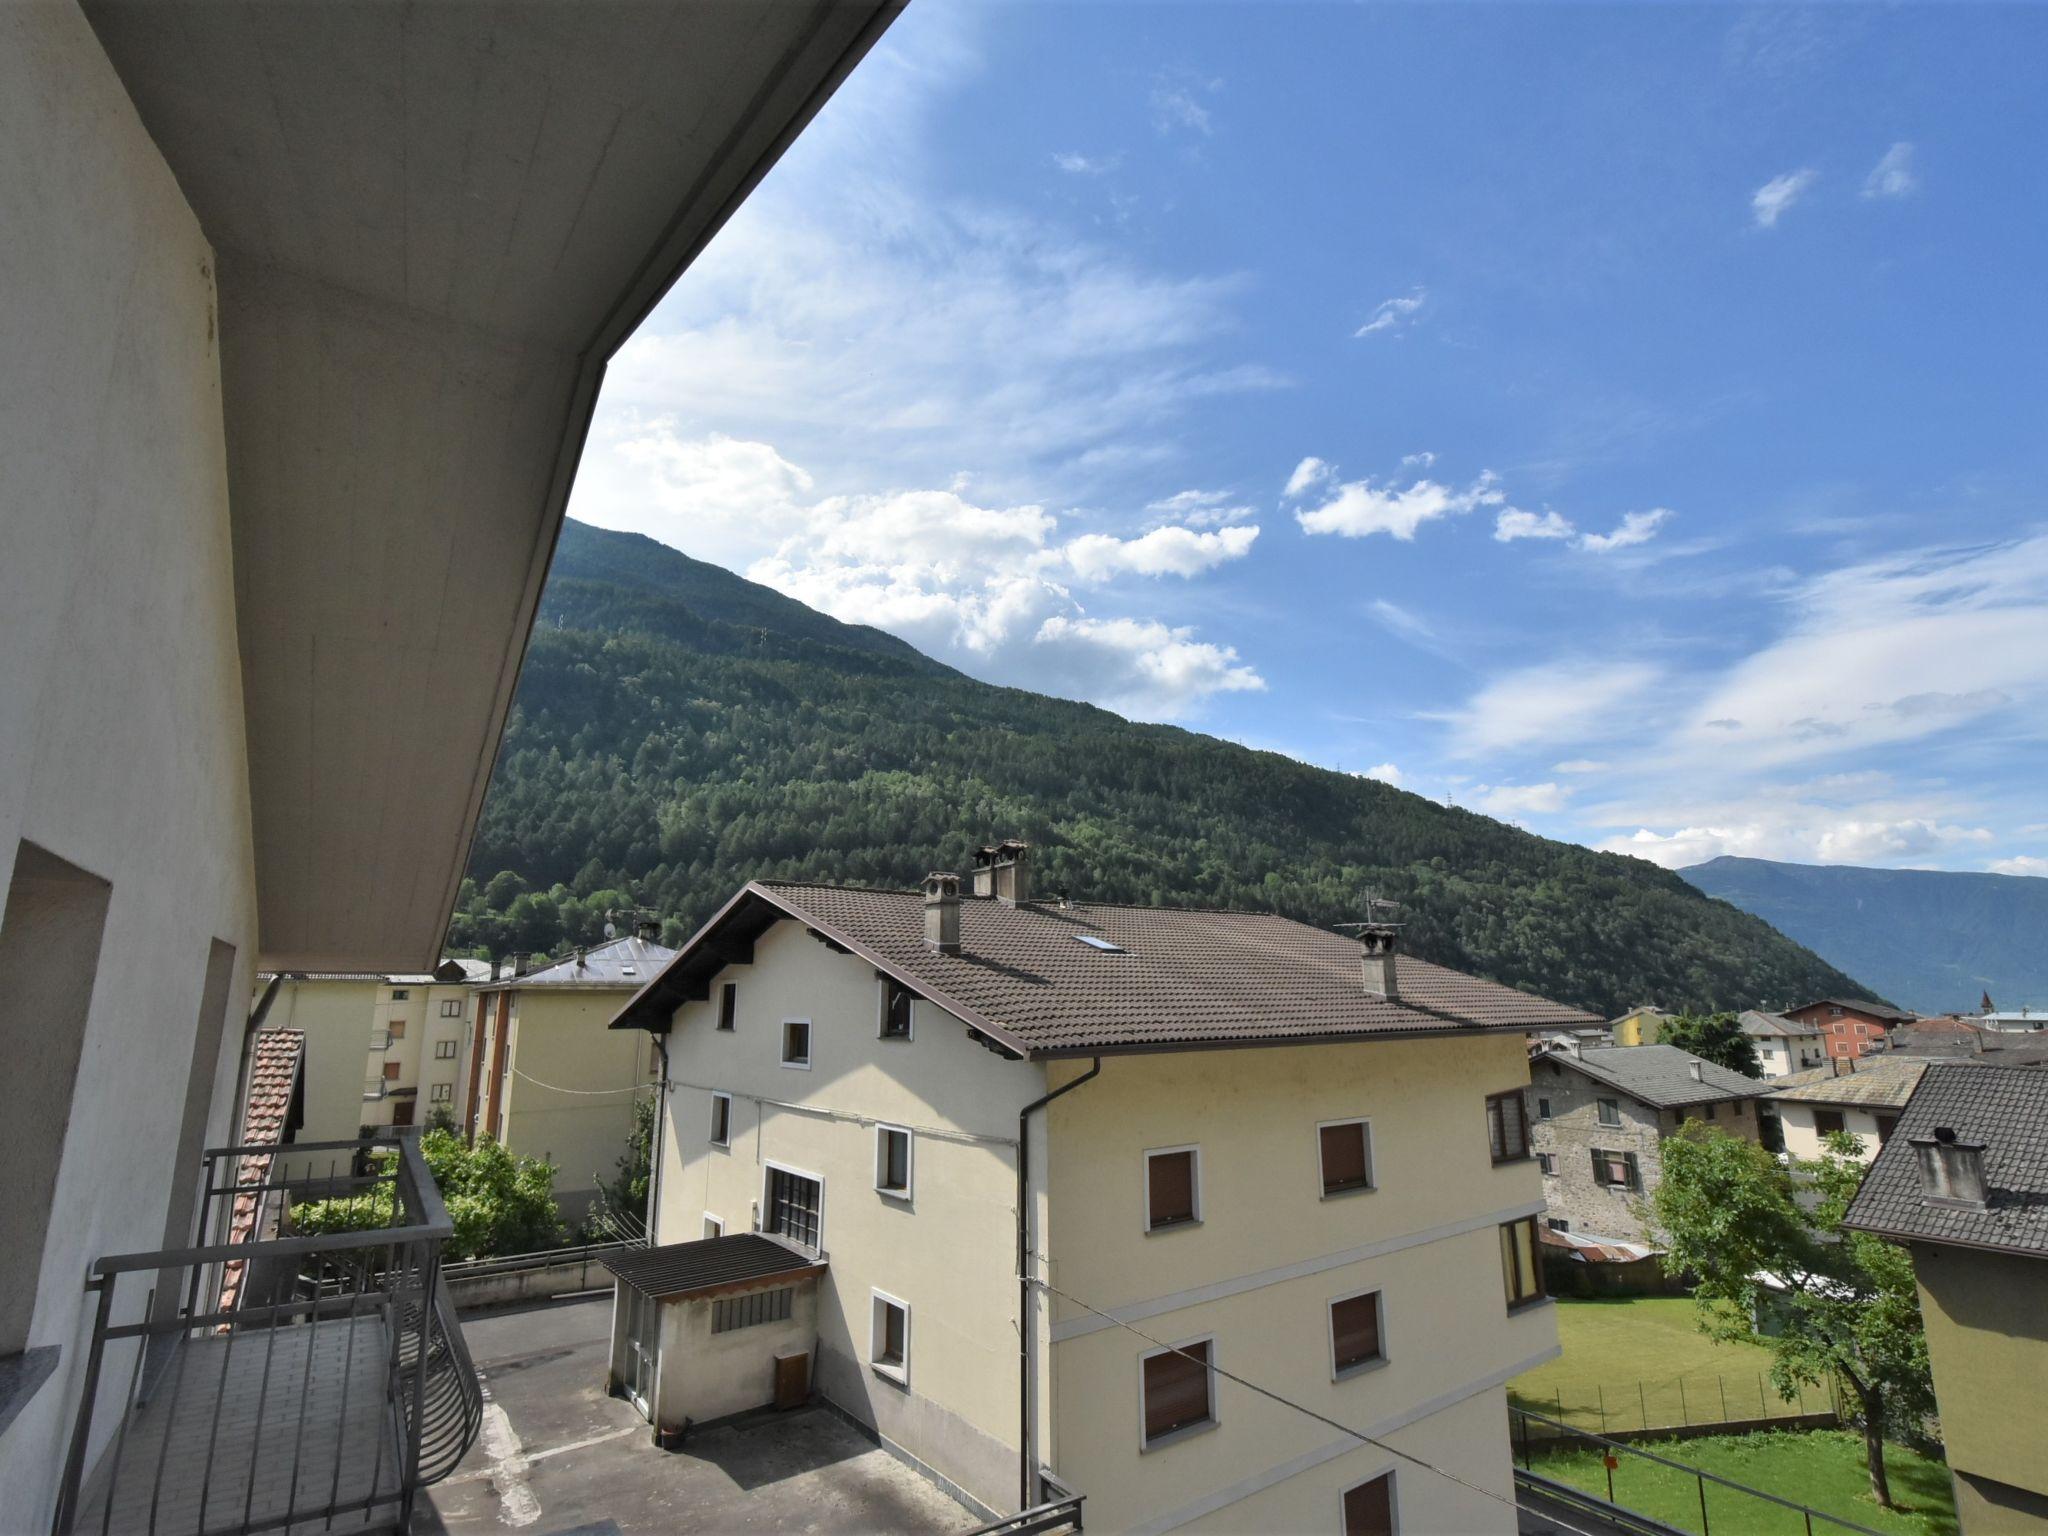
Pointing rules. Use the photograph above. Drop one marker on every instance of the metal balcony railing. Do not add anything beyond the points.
(276, 1378)
(380, 1039)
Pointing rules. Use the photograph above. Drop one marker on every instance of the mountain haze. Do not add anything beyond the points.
(1931, 940)
(679, 730)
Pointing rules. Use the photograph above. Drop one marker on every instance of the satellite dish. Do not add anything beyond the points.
(611, 930)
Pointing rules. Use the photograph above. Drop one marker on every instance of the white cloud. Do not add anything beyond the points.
(1076, 164)
(2020, 864)
(1511, 800)
(1153, 669)
(1201, 509)
(1806, 835)
(1410, 626)
(1421, 460)
(1360, 508)
(1770, 201)
(1554, 702)
(1308, 474)
(1635, 528)
(1513, 523)
(1177, 104)
(1893, 175)
(1162, 552)
(1395, 314)
(1386, 773)
(1581, 765)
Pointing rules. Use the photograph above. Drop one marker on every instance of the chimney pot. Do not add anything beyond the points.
(1003, 870)
(1698, 1070)
(1378, 944)
(942, 912)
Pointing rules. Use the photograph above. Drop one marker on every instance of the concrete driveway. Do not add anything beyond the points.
(558, 1456)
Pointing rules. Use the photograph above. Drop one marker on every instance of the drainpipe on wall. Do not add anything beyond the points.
(1024, 1499)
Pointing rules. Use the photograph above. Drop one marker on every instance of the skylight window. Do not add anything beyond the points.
(1102, 944)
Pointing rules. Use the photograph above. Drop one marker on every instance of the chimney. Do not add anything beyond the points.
(580, 953)
(519, 964)
(647, 930)
(1003, 870)
(1377, 944)
(1698, 1070)
(1951, 1171)
(942, 912)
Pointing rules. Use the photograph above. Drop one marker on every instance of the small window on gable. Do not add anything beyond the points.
(796, 1043)
(889, 1338)
(721, 1119)
(1344, 1150)
(897, 1000)
(1610, 1111)
(892, 1161)
(1369, 1508)
(728, 1005)
(1172, 1188)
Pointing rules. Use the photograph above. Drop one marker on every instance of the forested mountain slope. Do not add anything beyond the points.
(1931, 940)
(679, 730)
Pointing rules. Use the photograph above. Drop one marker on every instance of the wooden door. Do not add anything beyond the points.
(792, 1380)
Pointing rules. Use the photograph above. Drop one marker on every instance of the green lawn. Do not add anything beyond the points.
(1640, 1362)
(1821, 1468)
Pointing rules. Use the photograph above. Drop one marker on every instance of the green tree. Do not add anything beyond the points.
(1730, 1215)
(498, 1203)
(1715, 1037)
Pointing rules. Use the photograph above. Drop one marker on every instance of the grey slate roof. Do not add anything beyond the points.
(1661, 1075)
(618, 965)
(1879, 1082)
(1177, 978)
(1759, 1026)
(710, 1265)
(2006, 1108)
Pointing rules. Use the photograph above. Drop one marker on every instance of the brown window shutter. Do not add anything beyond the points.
(1172, 1176)
(1355, 1328)
(1369, 1508)
(1176, 1390)
(1344, 1158)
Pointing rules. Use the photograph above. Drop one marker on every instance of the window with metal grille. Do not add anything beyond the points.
(728, 1005)
(793, 1203)
(730, 1312)
(892, 1160)
(1616, 1170)
(1507, 1127)
(1369, 1508)
(1171, 1180)
(896, 1003)
(1178, 1390)
(1355, 1332)
(1520, 1271)
(1344, 1151)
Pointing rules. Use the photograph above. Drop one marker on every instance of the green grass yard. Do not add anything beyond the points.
(1821, 1468)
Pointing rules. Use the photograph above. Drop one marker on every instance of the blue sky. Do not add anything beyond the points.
(1628, 421)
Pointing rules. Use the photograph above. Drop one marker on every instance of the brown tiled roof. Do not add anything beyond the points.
(2006, 1109)
(274, 1062)
(1881, 1011)
(1880, 1082)
(1177, 978)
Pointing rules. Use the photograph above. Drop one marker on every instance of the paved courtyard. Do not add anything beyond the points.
(558, 1456)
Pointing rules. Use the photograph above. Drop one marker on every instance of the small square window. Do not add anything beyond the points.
(897, 1001)
(728, 1005)
(1172, 1188)
(1828, 1122)
(441, 1093)
(889, 1338)
(390, 1071)
(796, 1043)
(892, 1161)
(1610, 1112)
(1369, 1508)
(713, 1226)
(1355, 1333)
(400, 994)
(721, 1119)
(1557, 1224)
(1344, 1156)
(1179, 1390)
(451, 1007)
(444, 1050)
(1547, 1161)
(397, 1029)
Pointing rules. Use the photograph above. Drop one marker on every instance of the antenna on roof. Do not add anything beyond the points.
(1379, 911)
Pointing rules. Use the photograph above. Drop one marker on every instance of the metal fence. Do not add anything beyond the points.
(1655, 1492)
(1677, 1402)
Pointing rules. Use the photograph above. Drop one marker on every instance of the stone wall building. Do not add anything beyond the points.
(1599, 1122)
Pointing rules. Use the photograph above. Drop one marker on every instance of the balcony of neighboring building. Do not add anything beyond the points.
(284, 1378)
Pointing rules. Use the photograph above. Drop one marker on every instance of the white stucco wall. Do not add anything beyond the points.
(121, 724)
(570, 1086)
(706, 1375)
(948, 1251)
(1802, 1139)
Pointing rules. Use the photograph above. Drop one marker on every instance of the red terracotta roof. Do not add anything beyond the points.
(274, 1064)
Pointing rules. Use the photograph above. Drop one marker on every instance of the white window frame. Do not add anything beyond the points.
(878, 1299)
(451, 1007)
(1145, 1188)
(1391, 1474)
(810, 1046)
(1345, 1373)
(1372, 1167)
(768, 1168)
(882, 1012)
(440, 1093)
(453, 1049)
(1186, 1431)
(710, 1131)
(909, 1161)
(714, 1226)
(1546, 1164)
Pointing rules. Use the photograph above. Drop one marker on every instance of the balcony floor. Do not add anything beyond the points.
(303, 1406)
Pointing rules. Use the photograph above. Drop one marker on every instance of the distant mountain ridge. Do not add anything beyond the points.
(1931, 940)
(679, 730)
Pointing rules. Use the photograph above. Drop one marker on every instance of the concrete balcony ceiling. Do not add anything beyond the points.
(432, 224)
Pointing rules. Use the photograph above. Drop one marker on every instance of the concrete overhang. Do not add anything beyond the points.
(433, 223)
